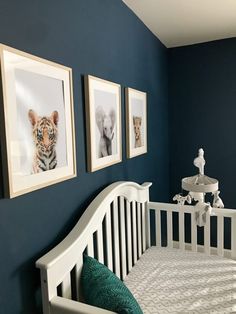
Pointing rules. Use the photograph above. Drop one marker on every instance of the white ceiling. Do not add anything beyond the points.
(185, 22)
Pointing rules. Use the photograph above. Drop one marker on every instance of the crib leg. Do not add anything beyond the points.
(47, 292)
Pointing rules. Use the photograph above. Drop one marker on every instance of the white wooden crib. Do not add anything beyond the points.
(115, 228)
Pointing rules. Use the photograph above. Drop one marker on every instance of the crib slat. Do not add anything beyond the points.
(100, 245)
(143, 210)
(207, 243)
(181, 231)
(90, 247)
(134, 231)
(139, 230)
(148, 228)
(116, 238)
(66, 287)
(233, 237)
(78, 269)
(193, 233)
(169, 230)
(123, 238)
(220, 235)
(108, 239)
(158, 227)
(129, 243)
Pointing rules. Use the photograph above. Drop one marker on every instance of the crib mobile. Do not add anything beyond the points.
(197, 187)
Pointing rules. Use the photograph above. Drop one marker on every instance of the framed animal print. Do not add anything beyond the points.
(136, 122)
(37, 129)
(103, 121)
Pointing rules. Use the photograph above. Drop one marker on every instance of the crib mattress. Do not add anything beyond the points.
(174, 281)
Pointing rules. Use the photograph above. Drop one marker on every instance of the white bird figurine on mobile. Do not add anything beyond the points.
(217, 201)
(199, 161)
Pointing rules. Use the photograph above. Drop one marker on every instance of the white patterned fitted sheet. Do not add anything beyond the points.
(174, 281)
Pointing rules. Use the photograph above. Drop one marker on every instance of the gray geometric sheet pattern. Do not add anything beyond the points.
(175, 281)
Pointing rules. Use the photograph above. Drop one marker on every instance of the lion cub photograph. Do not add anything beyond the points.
(137, 121)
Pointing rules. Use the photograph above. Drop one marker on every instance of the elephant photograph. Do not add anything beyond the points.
(103, 123)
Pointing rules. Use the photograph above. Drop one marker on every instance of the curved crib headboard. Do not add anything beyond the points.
(113, 228)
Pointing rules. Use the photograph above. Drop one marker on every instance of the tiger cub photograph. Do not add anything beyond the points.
(45, 134)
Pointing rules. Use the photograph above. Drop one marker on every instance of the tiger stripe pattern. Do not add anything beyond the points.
(45, 133)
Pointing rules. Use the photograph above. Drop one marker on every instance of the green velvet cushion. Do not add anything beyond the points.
(103, 289)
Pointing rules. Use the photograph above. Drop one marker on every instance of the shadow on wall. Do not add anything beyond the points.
(82, 77)
(1, 175)
(29, 287)
(1, 130)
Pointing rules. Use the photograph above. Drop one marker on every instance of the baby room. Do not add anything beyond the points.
(104, 107)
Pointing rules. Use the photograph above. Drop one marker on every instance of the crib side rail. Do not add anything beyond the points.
(61, 305)
(169, 209)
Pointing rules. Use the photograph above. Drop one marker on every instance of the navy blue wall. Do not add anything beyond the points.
(99, 37)
(202, 106)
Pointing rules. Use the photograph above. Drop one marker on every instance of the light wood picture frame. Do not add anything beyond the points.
(136, 122)
(103, 123)
(37, 122)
